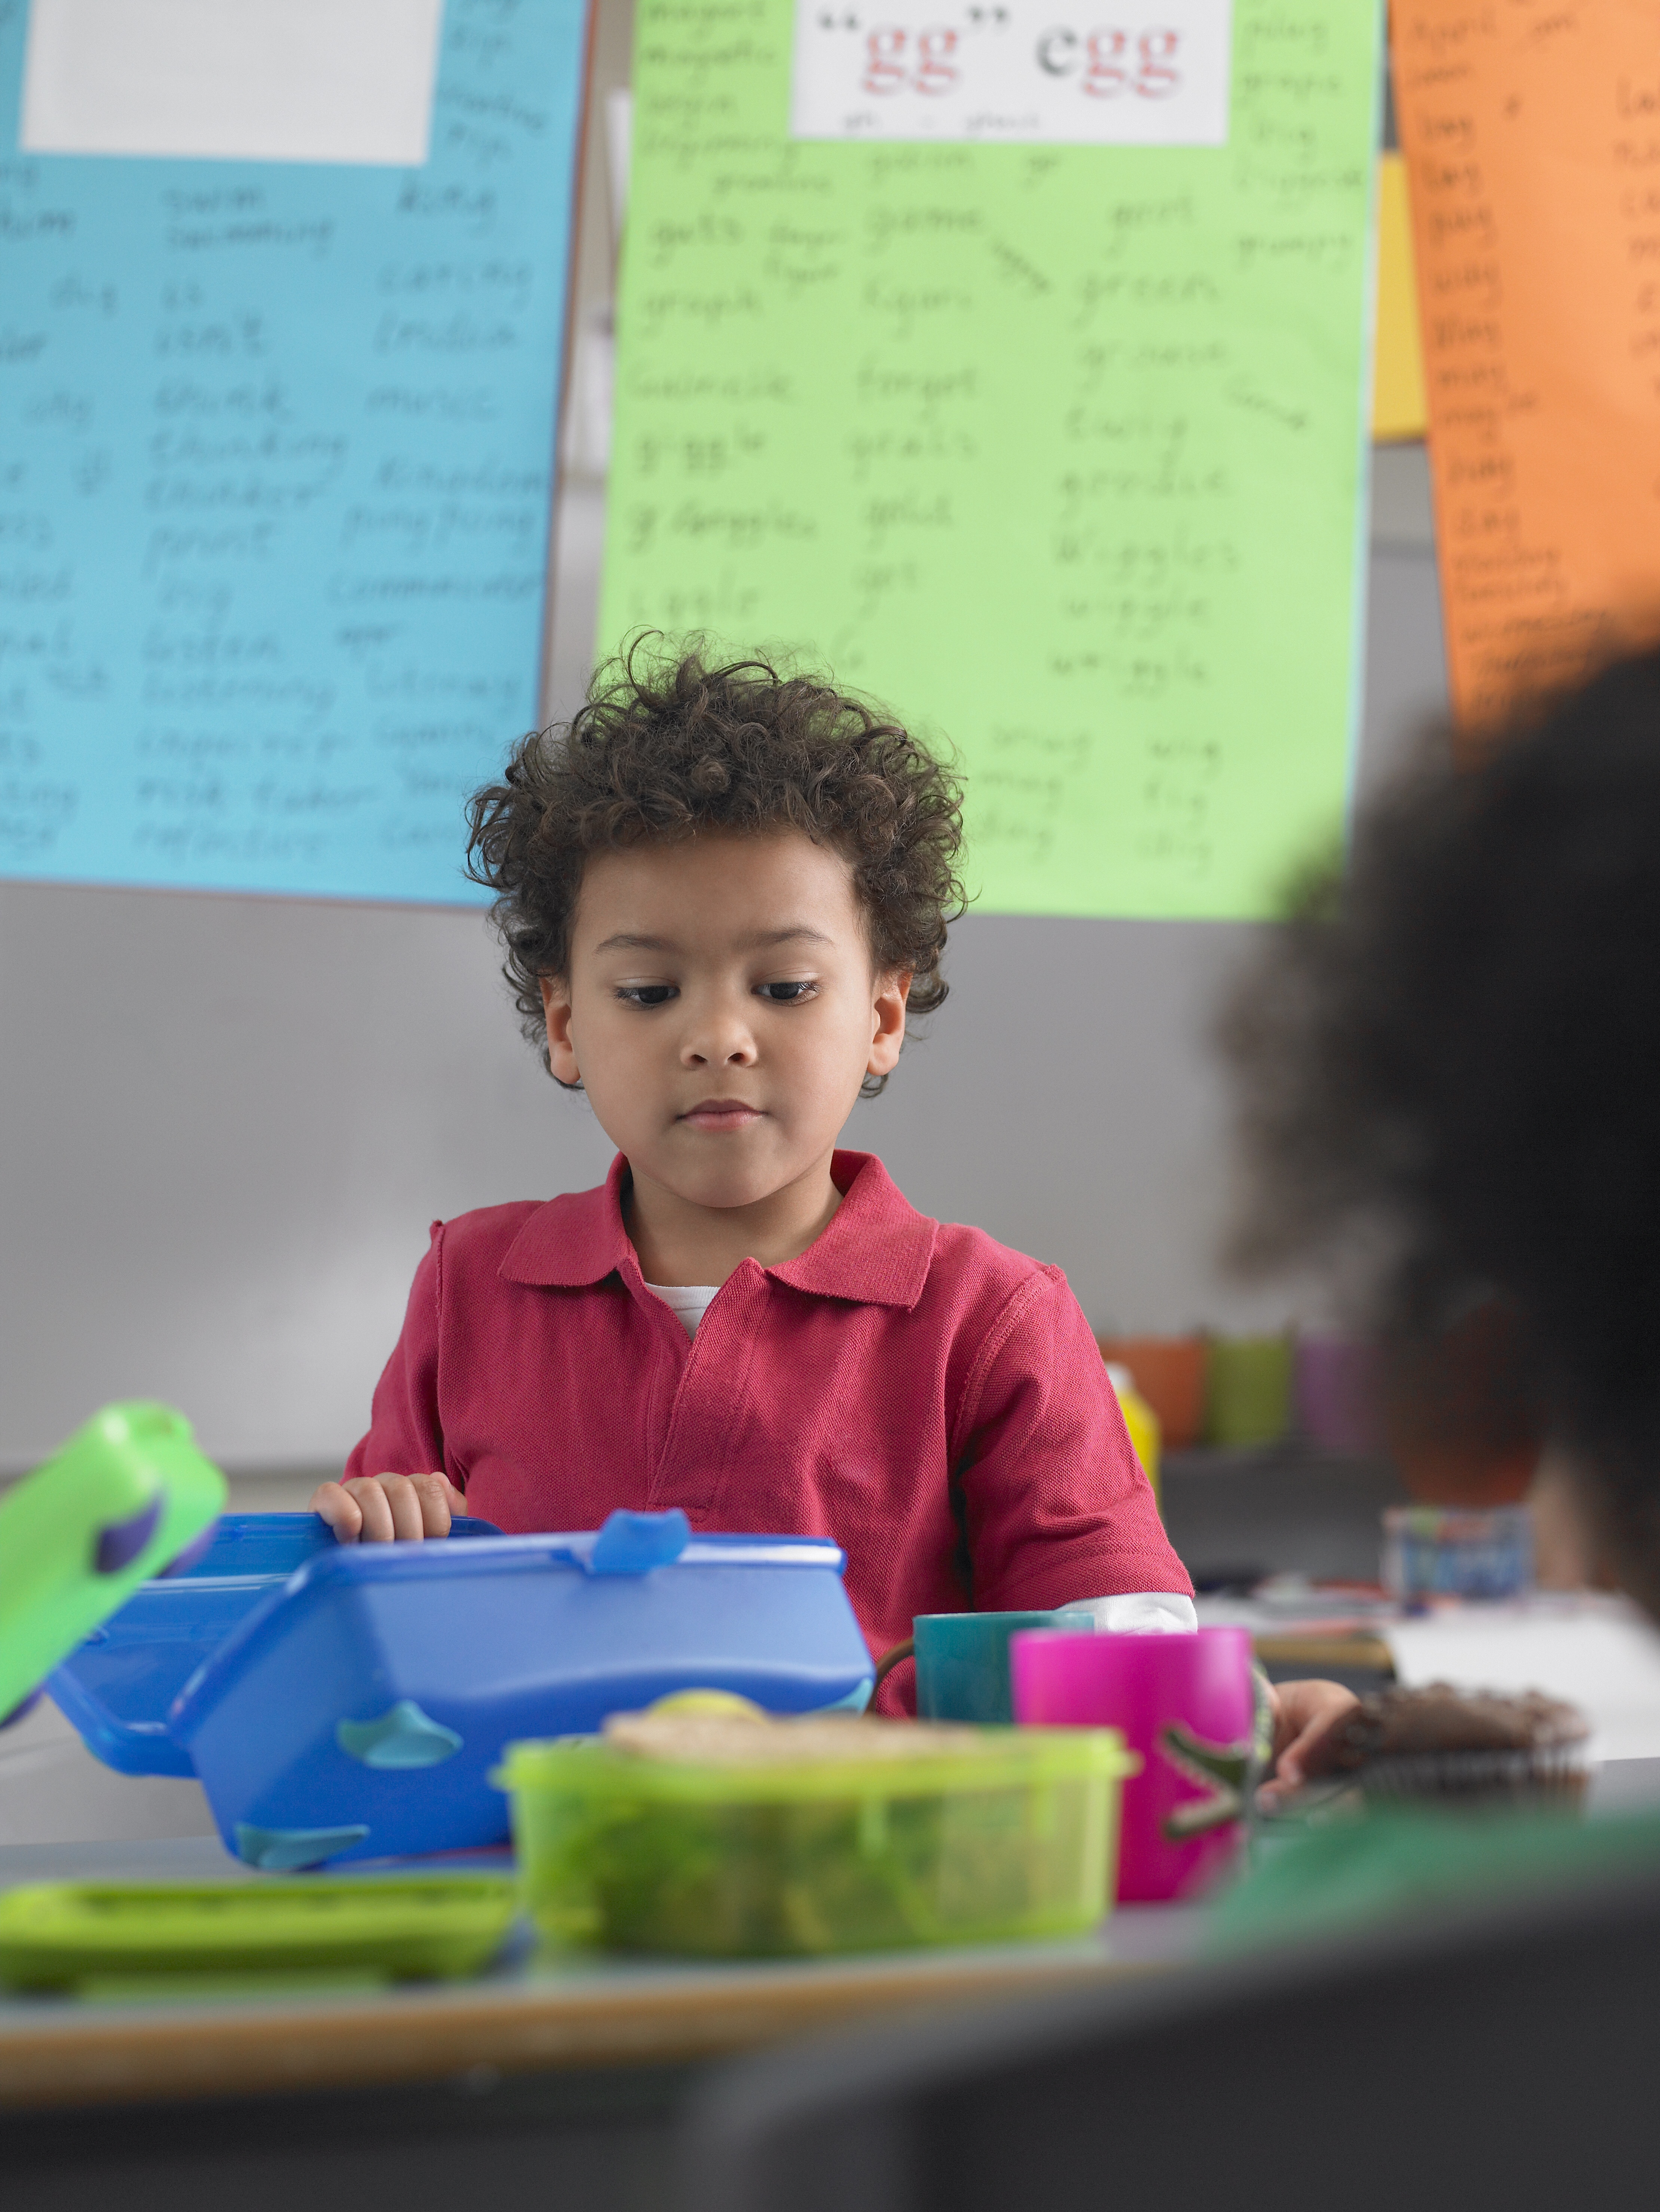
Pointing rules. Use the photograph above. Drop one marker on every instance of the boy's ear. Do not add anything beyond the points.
(888, 1009)
(556, 1013)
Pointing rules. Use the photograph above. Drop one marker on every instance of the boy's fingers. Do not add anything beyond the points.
(385, 1508)
(370, 1491)
(435, 1497)
(340, 1510)
(403, 1505)
(1305, 1714)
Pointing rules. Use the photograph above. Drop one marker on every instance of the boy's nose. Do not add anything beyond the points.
(720, 1043)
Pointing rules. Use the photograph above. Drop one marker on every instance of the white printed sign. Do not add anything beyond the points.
(1108, 72)
(232, 80)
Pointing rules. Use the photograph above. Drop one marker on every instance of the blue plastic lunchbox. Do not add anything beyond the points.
(358, 1711)
(116, 1687)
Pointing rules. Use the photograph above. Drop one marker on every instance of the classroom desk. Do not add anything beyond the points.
(596, 2014)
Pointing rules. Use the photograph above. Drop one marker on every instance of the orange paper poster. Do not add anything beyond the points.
(1531, 129)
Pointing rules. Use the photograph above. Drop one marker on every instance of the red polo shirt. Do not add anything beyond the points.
(932, 1400)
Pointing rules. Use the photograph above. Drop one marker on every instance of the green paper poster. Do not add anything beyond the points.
(1015, 370)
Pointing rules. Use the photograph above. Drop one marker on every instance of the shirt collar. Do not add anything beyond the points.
(877, 1250)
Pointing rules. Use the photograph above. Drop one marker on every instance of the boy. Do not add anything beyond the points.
(721, 891)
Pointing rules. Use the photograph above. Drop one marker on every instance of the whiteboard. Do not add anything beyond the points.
(283, 302)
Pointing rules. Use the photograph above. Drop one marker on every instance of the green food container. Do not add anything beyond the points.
(999, 1835)
(56, 1934)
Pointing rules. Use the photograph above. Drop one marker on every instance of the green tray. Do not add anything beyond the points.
(118, 1502)
(404, 1928)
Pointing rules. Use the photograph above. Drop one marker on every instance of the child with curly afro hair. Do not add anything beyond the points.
(722, 891)
(1448, 1075)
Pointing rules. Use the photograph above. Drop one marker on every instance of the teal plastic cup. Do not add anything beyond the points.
(962, 1660)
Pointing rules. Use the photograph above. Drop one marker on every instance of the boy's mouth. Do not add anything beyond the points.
(720, 1114)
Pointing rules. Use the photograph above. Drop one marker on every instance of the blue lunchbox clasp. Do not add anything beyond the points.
(635, 1543)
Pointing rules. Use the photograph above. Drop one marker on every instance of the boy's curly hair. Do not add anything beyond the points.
(668, 744)
(1448, 1068)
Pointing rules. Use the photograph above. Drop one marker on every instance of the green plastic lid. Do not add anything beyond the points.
(804, 1761)
(54, 1935)
(118, 1502)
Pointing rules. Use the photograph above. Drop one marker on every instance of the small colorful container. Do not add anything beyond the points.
(1169, 1372)
(1439, 1550)
(1248, 1390)
(1146, 1435)
(1188, 1705)
(962, 1660)
(1339, 1392)
(856, 1842)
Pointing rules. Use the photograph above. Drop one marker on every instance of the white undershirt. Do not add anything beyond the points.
(1138, 1612)
(688, 1302)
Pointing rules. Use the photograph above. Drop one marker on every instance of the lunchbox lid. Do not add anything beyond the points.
(628, 1548)
(247, 1546)
(627, 1545)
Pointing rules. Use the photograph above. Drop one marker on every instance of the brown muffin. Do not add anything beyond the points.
(1443, 1743)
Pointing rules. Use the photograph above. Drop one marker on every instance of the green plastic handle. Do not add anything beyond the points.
(116, 1504)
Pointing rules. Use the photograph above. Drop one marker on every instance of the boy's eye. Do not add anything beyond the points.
(646, 994)
(787, 994)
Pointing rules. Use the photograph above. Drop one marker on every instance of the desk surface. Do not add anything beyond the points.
(533, 2018)
(598, 2013)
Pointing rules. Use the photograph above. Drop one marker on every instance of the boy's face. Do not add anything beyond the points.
(722, 1010)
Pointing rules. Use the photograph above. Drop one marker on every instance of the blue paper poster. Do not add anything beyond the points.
(283, 302)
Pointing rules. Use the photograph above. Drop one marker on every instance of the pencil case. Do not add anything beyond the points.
(359, 1711)
(121, 1501)
(116, 1689)
(58, 1934)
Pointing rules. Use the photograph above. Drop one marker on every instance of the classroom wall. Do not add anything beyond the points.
(227, 1123)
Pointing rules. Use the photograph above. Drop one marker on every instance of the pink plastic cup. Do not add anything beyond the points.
(1188, 1704)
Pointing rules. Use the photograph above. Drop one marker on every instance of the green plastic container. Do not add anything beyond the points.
(55, 1935)
(1015, 1838)
(121, 1501)
(1248, 1389)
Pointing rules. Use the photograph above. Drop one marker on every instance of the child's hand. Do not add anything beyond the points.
(1304, 1712)
(376, 1509)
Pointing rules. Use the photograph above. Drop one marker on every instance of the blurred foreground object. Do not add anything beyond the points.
(1461, 1413)
(1449, 1076)
(127, 1498)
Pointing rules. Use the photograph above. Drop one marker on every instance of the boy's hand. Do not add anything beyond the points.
(376, 1508)
(1303, 1714)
